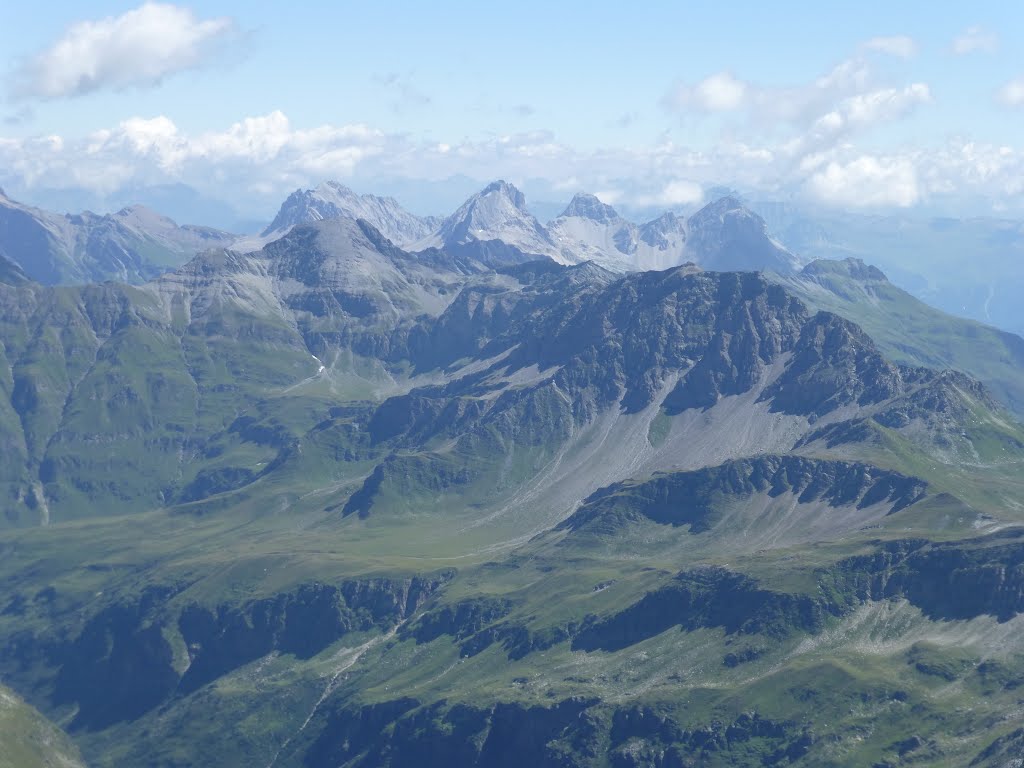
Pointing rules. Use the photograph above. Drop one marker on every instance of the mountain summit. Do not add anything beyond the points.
(331, 200)
(587, 206)
(729, 236)
(723, 235)
(133, 245)
(498, 212)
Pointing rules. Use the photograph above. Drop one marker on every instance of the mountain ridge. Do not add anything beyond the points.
(331, 199)
(465, 507)
(133, 245)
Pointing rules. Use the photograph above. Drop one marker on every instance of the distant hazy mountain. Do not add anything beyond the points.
(726, 235)
(723, 235)
(593, 230)
(972, 267)
(497, 213)
(331, 200)
(133, 245)
(496, 225)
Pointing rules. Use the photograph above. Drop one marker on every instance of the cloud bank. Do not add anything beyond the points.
(810, 141)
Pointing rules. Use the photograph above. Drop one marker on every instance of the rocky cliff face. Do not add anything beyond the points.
(727, 235)
(332, 200)
(496, 214)
(573, 732)
(124, 662)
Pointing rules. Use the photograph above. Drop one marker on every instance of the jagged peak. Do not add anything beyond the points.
(337, 187)
(667, 220)
(137, 209)
(723, 206)
(502, 187)
(587, 206)
(331, 199)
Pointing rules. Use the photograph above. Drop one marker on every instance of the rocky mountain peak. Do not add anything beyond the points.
(332, 199)
(587, 206)
(336, 187)
(498, 212)
(729, 236)
(667, 233)
(503, 189)
(725, 206)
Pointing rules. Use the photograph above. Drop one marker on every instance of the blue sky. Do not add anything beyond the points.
(873, 105)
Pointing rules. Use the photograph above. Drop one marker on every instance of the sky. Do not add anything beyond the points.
(872, 106)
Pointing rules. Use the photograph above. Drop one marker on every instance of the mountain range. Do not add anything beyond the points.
(464, 504)
(133, 245)
(136, 244)
(922, 255)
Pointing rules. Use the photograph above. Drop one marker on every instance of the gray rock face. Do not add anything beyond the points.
(496, 227)
(332, 200)
(728, 236)
(497, 212)
(587, 206)
(721, 236)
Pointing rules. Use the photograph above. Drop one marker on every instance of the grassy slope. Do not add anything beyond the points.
(28, 740)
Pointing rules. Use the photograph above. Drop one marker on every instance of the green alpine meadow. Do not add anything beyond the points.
(511, 385)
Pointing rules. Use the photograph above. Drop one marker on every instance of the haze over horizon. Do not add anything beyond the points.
(236, 105)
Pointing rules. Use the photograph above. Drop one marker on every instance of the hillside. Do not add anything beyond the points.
(358, 506)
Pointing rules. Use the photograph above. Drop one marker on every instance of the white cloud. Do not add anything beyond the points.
(768, 107)
(853, 115)
(867, 182)
(974, 39)
(608, 196)
(884, 104)
(900, 46)
(256, 161)
(720, 92)
(682, 193)
(676, 192)
(136, 49)
(1012, 94)
(155, 150)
